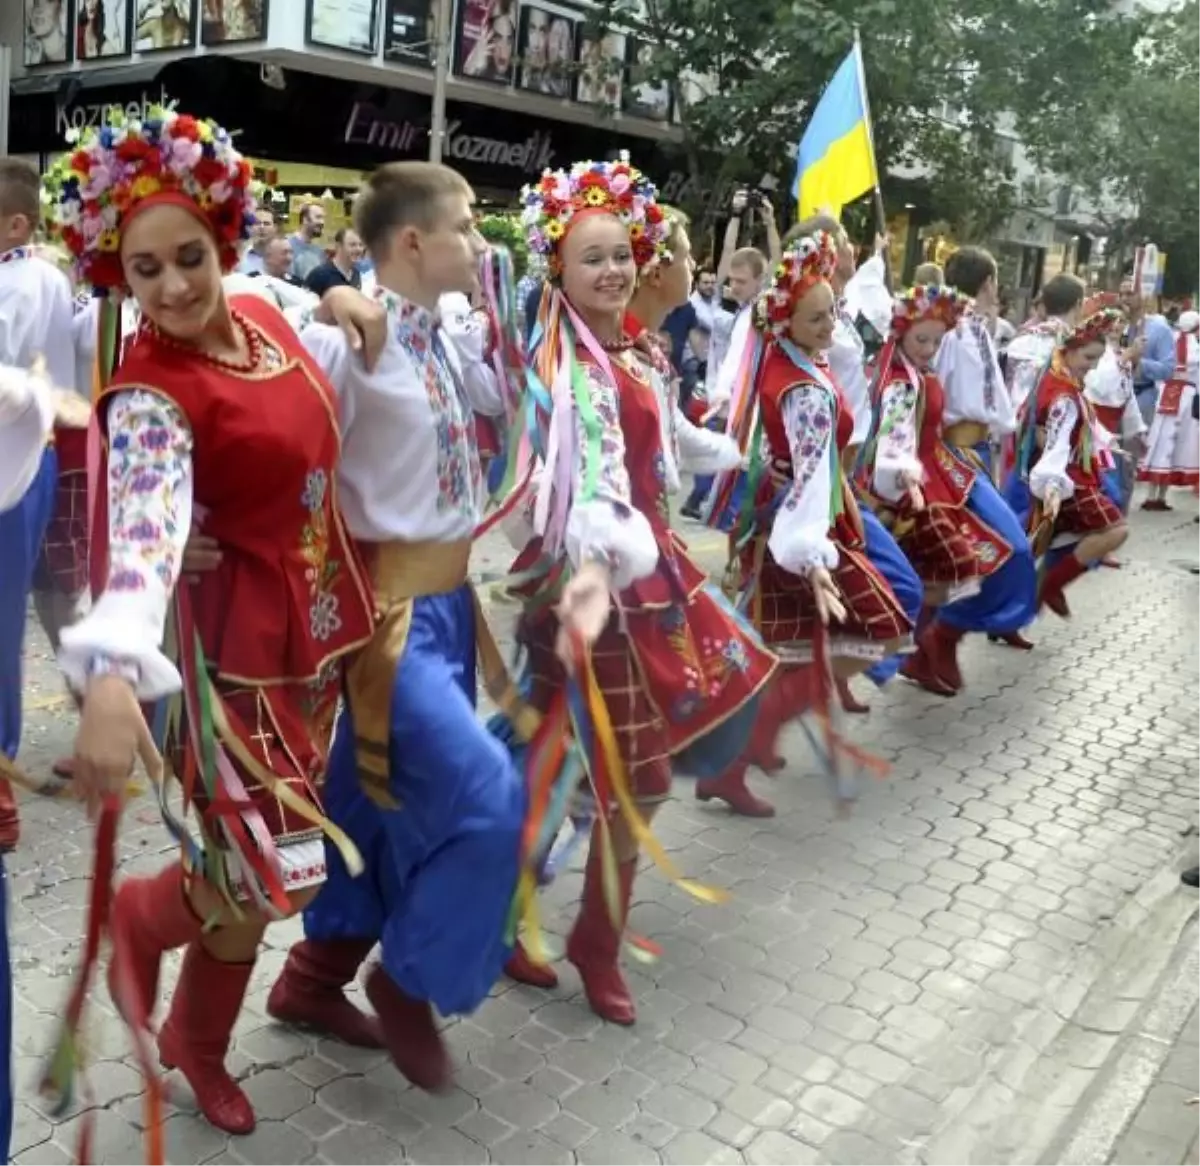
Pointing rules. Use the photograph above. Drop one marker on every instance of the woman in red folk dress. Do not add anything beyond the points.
(674, 663)
(804, 562)
(215, 415)
(919, 485)
(1064, 451)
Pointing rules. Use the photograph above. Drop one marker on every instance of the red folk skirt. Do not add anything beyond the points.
(1087, 511)
(63, 563)
(782, 607)
(673, 663)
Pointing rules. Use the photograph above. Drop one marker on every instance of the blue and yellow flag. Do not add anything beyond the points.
(836, 160)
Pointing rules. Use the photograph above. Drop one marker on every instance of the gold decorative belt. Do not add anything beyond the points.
(965, 434)
(404, 570)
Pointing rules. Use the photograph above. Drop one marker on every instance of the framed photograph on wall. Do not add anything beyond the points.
(47, 31)
(102, 29)
(601, 69)
(164, 24)
(349, 25)
(643, 97)
(487, 40)
(546, 49)
(228, 22)
(408, 31)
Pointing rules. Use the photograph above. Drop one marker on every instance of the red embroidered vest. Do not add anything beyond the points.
(290, 594)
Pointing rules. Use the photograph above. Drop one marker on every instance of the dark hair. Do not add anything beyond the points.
(20, 190)
(706, 269)
(403, 194)
(1062, 294)
(308, 208)
(969, 268)
(340, 236)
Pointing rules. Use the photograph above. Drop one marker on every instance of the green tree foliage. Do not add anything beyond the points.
(950, 82)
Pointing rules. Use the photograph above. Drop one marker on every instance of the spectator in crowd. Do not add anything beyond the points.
(341, 268)
(1157, 351)
(928, 273)
(261, 234)
(307, 251)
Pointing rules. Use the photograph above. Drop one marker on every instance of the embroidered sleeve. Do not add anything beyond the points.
(799, 537)
(896, 462)
(603, 524)
(149, 520)
(1050, 470)
(466, 333)
(26, 417)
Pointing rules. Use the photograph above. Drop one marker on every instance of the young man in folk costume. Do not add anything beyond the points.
(1029, 351)
(36, 310)
(1173, 446)
(1063, 453)
(677, 671)
(940, 506)
(979, 416)
(215, 409)
(432, 801)
(806, 579)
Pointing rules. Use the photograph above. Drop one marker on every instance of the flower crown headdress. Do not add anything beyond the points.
(927, 302)
(126, 164)
(554, 202)
(1092, 328)
(810, 260)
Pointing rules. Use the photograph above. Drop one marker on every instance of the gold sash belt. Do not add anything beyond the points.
(966, 433)
(400, 573)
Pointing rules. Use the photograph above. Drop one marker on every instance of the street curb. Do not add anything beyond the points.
(1018, 1110)
(1133, 1072)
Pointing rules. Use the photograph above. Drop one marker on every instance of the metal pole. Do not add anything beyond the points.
(5, 96)
(441, 73)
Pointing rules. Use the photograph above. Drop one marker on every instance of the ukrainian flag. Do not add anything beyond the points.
(836, 160)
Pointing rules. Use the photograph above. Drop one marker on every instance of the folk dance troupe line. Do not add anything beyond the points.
(282, 508)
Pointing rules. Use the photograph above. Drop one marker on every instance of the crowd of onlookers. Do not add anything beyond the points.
(303, 258)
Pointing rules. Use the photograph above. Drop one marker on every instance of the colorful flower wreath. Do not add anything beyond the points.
(927, 302)
(808, 261)
(616, 188)
(115, 167)
(1093, 328)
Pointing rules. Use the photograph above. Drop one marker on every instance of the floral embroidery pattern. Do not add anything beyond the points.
(897, 424)
(808, 417)
(323, 616)
(460, 479)
(148, 459)
(612, 477)
(987, 361)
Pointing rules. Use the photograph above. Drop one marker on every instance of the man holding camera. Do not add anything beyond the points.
(740, 272)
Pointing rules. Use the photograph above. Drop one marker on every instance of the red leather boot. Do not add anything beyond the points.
(410, 1033)
(10, 818)
(791, 692)
(520, 967)
(195, 1036)
(1055, 581)
(311, 991)
(850, 703)
(731, 788)
(595, 943)
(1012, 639)
(150, 916)
(921, 666)
(943, 642)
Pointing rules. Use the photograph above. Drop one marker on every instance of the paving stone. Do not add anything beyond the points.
(616, 1149)
(276, 1094)
(773, 1148)
(693, 1148)
(681, 1107)
(367, 1145)
(444, 1147)
(276, 1141)
(522, 1106)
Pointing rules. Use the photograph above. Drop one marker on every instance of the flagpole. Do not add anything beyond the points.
(880, 216)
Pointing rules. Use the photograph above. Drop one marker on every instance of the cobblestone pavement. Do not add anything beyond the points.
(884, 988)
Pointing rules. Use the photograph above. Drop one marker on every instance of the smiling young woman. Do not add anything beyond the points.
(216, 415)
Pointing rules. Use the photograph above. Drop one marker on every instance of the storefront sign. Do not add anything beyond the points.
(368, 126)
(79, 114)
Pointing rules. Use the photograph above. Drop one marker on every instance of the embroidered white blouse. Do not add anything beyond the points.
(1049, 472)
(896, 463)
(26, 418)
(799, 539)
(606, 527)
(847, 360)
(409, 468)
(970, 373)
(36, 311)
(1110, 383)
